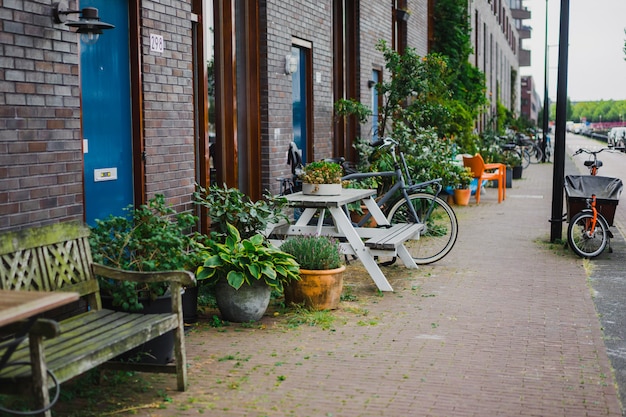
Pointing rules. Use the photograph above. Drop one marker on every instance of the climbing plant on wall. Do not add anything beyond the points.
(452, 39)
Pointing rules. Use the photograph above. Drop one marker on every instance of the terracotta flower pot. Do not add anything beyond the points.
(356, 217)
(462, 196)
(319, 290)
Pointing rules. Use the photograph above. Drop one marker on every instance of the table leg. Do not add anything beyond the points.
(376, 212)
(305, 217)
(362, 252)
(406, 257)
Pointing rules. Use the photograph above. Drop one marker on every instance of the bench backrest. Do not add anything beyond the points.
(56, 257)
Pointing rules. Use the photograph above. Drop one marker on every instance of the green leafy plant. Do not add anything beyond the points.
(152, 237)
(231, 206)
(314, 252)
(511, 159)
(322, 172)
(350, 107)
(361, 184)
(464, 177)
(242, 261)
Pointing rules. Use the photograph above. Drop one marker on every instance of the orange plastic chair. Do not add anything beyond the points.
(491, 172)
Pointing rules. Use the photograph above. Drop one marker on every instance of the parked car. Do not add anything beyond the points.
(617, 138)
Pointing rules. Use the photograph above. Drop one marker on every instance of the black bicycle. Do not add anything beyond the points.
(407, 201)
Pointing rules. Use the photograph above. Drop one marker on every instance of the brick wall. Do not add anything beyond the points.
(41, 160)
(168, 101)
(40, 145)
(280, 22)
(418, 26)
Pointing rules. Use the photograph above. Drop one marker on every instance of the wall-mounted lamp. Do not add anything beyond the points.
(371, 83)
(291, 64)
(88, 25)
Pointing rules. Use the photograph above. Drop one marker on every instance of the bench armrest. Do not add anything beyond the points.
(184, 278)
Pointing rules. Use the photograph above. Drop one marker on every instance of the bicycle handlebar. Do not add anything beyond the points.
(383, 142)
(583, 150)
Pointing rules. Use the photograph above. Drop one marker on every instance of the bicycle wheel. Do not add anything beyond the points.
(525, 155)
(440, 233)
(536, 154)
(584, 242)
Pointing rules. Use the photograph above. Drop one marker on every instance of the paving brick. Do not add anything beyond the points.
(510, 329)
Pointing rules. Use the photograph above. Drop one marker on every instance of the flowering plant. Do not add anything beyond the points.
(322, 172)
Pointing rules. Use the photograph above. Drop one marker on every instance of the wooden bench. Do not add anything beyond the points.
(58, 258)
(394, 236)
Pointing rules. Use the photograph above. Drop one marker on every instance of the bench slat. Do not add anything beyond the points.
(92, 343)
(394, 236)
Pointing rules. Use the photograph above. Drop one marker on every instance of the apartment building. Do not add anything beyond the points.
(181, 92)
(531, 103)
(497, 34)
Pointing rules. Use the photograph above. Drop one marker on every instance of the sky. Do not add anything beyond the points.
(596, 69)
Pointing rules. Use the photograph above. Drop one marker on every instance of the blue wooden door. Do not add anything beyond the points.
(106, 105)
(299, 100)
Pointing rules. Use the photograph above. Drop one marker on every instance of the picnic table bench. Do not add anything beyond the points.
(58, 258)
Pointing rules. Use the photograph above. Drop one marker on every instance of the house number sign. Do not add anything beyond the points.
(156, 43)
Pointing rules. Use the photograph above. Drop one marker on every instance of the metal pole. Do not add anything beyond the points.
(561, 115)
(546, 99)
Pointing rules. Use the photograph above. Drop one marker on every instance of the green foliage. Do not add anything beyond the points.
(464, 176)
(231, 206)
(426, 154)
(351, 107)
(511, 159)
(416, 92)
(241, 261)
(314, 252)
(596, 111)
(452, 38)
(322, 172)
(152, 237)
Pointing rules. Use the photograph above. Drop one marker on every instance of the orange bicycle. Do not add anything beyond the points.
(591, 204)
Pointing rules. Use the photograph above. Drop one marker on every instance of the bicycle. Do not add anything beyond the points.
(532, 147)
(522, 154)
(589, 218)
(407, 201)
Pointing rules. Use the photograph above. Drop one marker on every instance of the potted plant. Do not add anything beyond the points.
(244, 272)
(152, 237)
(462, 192)
(512, 160)
(322, 178)
(321, 271)
(230, 206)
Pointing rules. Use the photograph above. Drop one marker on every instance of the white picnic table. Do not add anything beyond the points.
(343, 228)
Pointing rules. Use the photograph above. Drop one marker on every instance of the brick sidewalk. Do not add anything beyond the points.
(505, 325)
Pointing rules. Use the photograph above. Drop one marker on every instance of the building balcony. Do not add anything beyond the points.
(524, 32)
(524, 58)
(520, 14)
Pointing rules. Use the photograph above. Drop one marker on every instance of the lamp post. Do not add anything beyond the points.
(556, 220)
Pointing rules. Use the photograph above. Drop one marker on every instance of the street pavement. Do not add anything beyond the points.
(505, 325)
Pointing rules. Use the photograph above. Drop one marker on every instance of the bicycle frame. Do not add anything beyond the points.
(591, 203)
(400, 185)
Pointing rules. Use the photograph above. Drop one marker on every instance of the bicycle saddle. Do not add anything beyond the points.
(590, 163)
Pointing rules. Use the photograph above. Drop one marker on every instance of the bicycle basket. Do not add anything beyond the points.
(578, 188)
